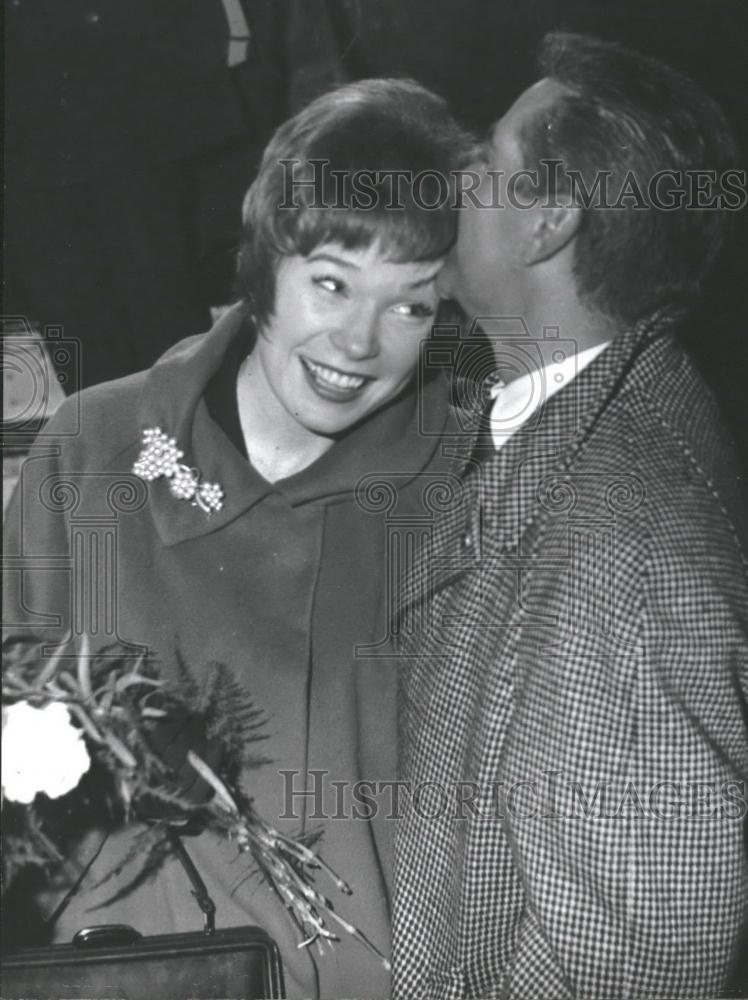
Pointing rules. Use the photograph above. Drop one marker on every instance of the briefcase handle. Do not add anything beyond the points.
(199, 890)
(106, 936)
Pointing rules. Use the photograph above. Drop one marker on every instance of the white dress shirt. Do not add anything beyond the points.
(516, 402)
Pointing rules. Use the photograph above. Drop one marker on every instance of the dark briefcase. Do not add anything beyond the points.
(116, 962)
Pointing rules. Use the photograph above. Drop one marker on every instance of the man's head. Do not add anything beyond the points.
(619, 142)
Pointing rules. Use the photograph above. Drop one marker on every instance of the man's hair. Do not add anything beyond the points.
(303, 195)
(633, 116)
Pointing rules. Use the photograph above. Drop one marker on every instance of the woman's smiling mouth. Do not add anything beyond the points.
(331, 383)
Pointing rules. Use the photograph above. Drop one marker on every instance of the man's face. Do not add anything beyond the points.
(485, 271)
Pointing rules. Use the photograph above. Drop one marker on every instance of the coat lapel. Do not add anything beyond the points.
(493, 502)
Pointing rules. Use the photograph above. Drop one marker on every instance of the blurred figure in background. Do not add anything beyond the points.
(133, 131)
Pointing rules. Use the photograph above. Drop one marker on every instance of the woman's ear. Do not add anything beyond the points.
(552, 228)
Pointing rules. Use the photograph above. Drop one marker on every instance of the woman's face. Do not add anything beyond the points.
(345, 335)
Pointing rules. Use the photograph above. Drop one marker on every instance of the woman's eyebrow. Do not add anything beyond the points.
(423, 281)
(333, 260)
(420, 282)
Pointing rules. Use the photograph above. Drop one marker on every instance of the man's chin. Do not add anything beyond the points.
(451, 310)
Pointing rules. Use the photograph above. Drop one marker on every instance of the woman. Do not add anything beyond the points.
(257, 553)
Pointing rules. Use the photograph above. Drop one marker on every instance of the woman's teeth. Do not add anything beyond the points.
(334, 378)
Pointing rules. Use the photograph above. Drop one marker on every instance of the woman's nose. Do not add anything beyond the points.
(358, 338)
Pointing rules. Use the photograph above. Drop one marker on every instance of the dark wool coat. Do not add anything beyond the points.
(574, 690)
(281, 585)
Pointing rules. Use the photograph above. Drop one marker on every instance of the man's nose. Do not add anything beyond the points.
(445, 279)
(358, 336)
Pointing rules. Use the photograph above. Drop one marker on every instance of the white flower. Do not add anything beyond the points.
(41, 752)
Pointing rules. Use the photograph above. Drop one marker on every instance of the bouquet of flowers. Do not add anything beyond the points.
(171, 759)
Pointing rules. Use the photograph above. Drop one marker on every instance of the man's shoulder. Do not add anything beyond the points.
(681, 422)
(666, 428)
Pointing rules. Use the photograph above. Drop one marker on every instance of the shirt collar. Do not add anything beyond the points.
(514, 404)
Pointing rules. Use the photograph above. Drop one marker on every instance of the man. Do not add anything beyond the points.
(574, 707)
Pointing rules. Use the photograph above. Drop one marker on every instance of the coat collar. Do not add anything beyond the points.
(173, 400)
(510, 479)
(502, 494)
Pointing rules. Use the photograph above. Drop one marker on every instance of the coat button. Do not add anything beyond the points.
(467, 542)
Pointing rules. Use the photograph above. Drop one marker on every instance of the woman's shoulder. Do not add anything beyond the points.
(93, 426)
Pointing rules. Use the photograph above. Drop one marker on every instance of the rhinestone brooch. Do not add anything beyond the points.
(160, 456)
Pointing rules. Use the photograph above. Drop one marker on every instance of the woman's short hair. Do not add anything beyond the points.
(368, 163)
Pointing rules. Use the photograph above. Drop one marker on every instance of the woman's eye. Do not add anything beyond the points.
(329, 283)
(415, 310)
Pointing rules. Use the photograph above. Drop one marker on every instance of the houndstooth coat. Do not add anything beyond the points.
(574, 652)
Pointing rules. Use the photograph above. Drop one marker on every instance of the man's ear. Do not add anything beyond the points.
(551, 229)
